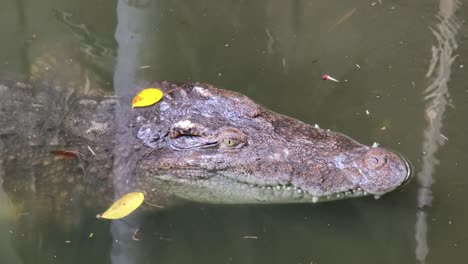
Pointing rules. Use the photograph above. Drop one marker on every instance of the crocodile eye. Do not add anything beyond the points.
(230, 142)
(230, 138)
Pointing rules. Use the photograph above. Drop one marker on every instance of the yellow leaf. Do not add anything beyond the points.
(147, 97)
(123, 206)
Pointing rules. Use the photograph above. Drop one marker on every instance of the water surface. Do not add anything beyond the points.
(402, 71)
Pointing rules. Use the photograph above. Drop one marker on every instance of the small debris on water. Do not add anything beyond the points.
(461, 66)
(91, 235)
(383, 128)
(327, 77)
(357, 65)
(67, 241)
(373, 3)
(414, 85)
(219, 74)
(135, 235)
(91, 150)
(154, 205)
(367, 112)
(23, 214)
(344, 18)
(250, 237)
(444, 137)
(145, 66)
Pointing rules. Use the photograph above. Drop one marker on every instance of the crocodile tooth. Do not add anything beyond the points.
(298, 190)
(278, 187)
(268, 188)
(338, 195)
(377, 196)
(289, 188)
(315, 199)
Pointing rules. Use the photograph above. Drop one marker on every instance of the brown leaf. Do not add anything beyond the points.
(66, 154)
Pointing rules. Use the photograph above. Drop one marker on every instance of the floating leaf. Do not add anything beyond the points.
(147, 97)
(123, 206)
(66, 154)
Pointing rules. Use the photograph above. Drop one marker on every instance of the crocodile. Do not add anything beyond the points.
(199, 143)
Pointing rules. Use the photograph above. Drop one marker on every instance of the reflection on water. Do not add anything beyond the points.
(7, 254)
(437, 98)
(132, 21)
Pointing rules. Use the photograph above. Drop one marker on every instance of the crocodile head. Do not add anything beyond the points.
(217, 146)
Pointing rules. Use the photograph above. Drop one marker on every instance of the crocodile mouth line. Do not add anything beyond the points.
(297, 193)
(289, 192)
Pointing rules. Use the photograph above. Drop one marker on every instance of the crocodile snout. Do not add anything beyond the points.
(382, 170)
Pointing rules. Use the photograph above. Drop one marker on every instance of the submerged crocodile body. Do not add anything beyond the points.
(199, 143)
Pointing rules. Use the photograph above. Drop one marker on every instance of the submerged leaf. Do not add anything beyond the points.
(147, 97)
(66, 154)
(123, 206)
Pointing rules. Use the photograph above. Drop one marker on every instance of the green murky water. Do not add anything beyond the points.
(402, 68)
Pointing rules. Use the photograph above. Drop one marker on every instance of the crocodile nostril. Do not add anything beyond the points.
(375, 162)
